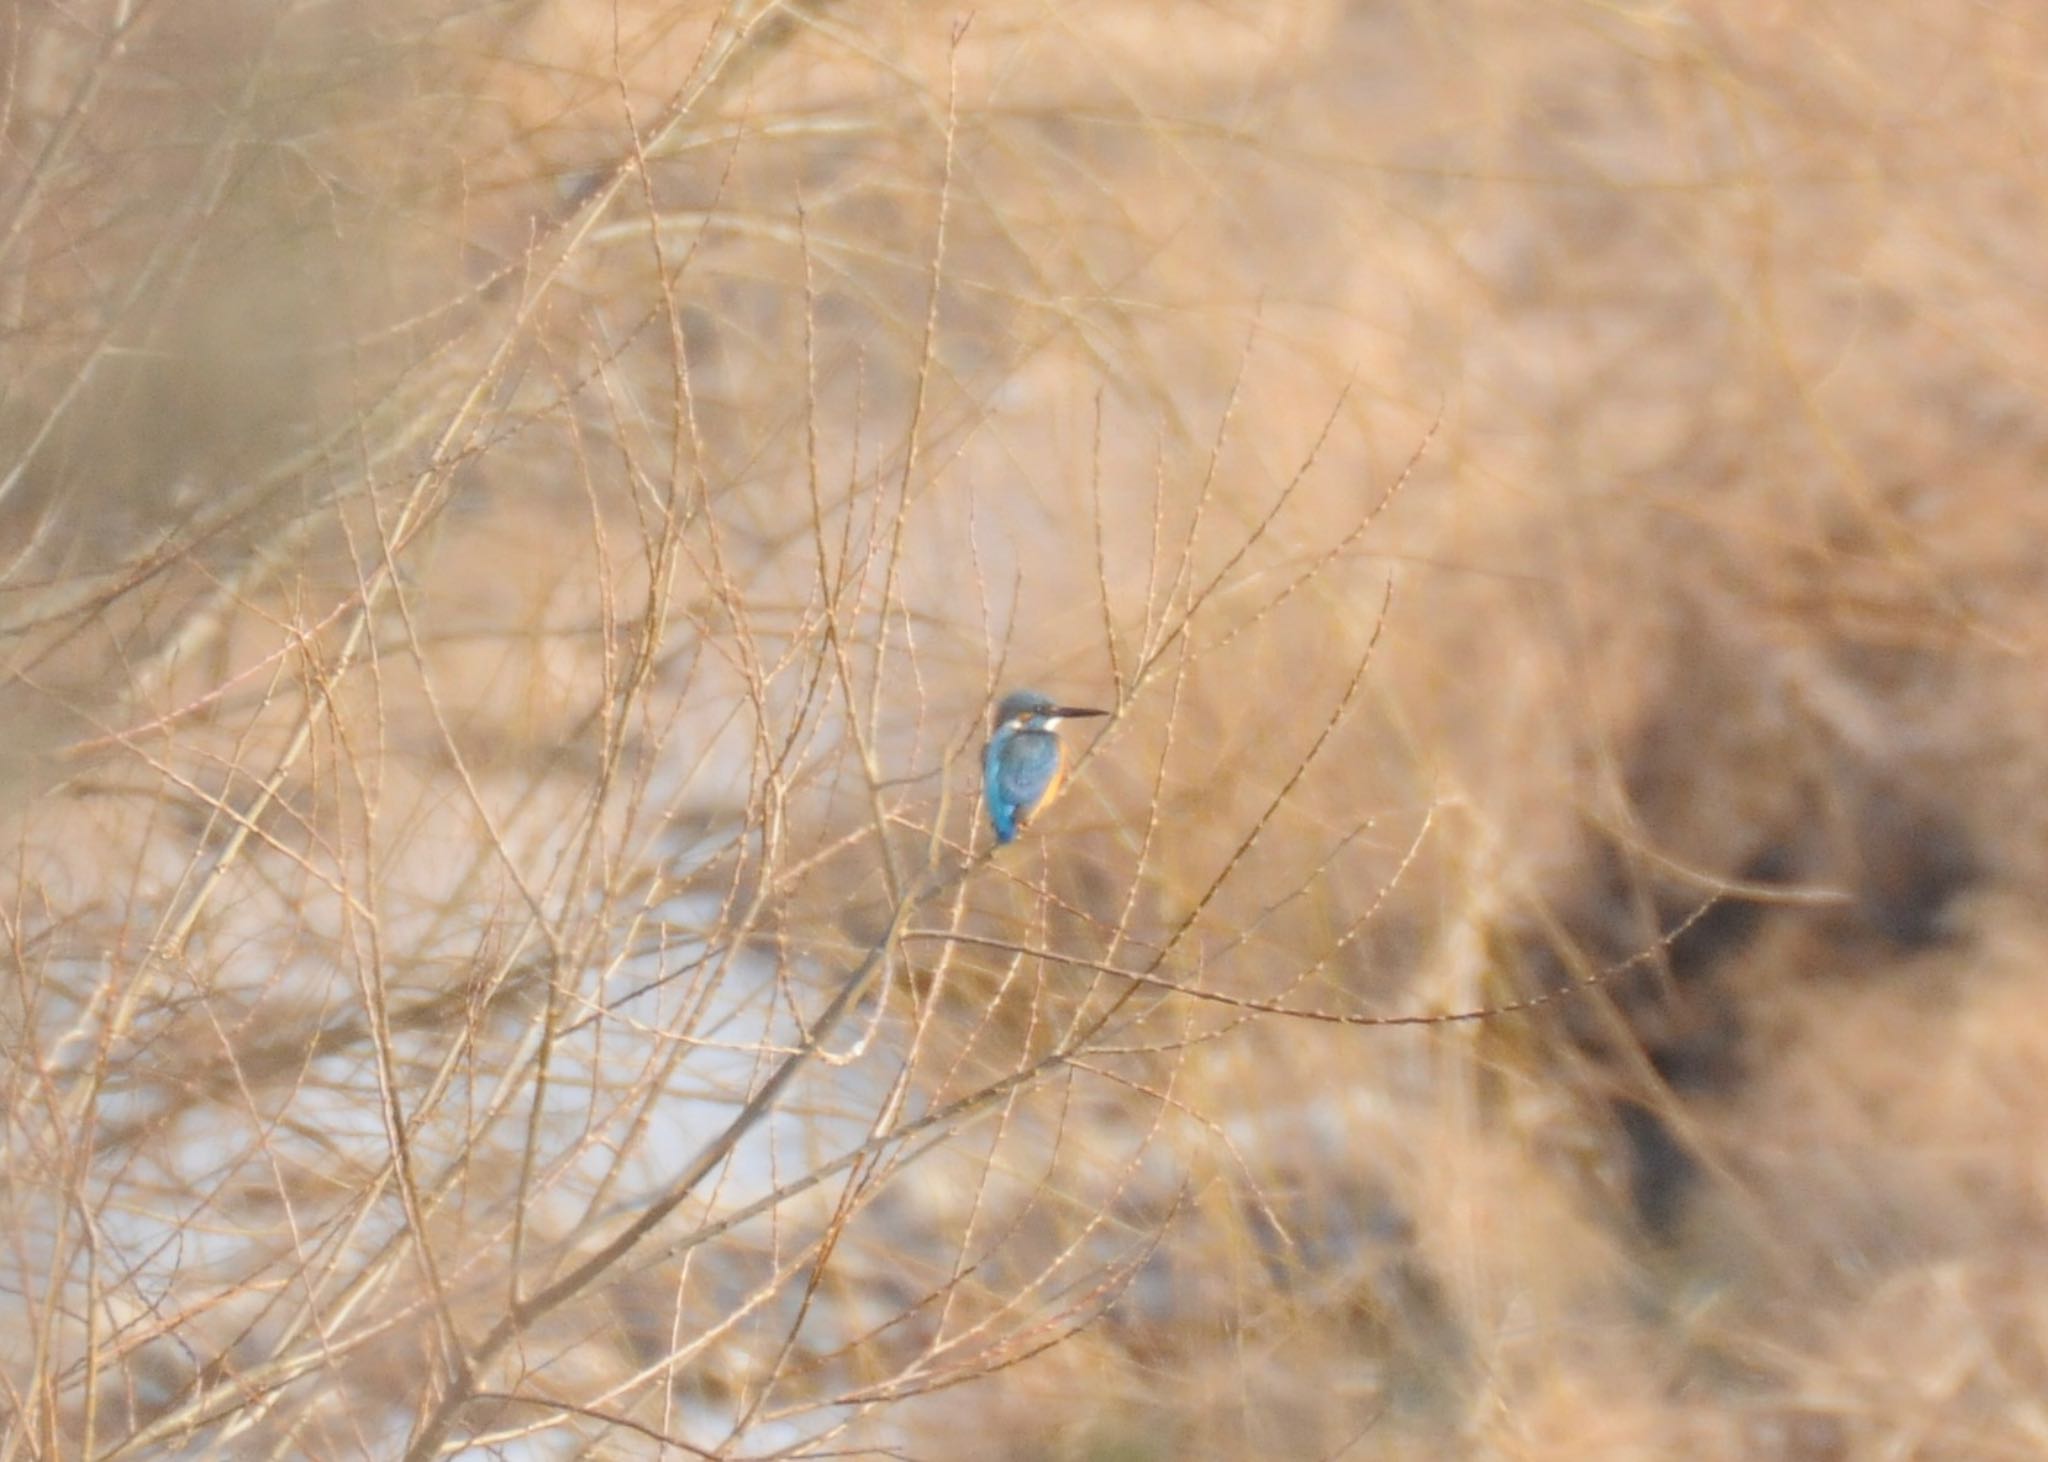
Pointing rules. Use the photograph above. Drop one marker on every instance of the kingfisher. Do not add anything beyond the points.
(1024, 762)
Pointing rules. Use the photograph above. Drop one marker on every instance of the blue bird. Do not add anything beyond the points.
(1024, 763)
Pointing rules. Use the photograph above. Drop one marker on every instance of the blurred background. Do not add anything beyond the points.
(512, 517)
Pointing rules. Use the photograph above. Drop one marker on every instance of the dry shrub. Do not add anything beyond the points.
(514, 515)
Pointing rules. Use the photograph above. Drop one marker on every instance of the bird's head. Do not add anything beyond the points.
(1027, 710)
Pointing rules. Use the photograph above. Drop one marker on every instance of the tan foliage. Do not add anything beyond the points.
(511, 519)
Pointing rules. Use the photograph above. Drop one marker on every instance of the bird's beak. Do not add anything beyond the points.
(1072, 713)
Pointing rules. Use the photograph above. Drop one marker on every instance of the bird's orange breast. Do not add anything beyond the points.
(1052, 790)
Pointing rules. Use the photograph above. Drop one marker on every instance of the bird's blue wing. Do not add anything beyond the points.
(1018, 770)
(1000, 812)
(1030, 767)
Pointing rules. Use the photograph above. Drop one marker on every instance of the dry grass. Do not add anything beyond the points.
(511, 517)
